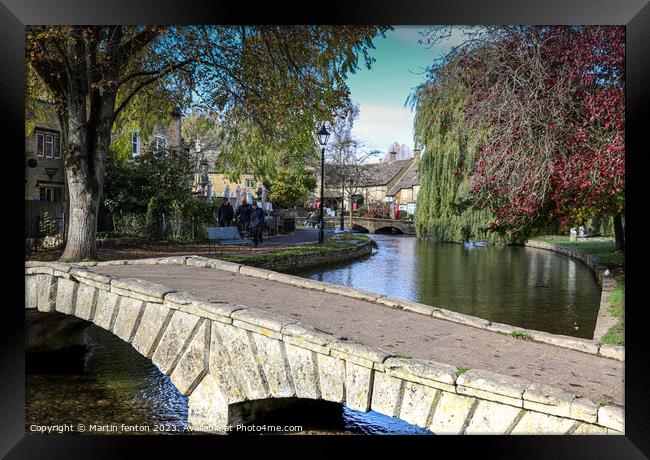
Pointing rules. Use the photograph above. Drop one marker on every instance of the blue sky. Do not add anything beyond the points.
(382, 91)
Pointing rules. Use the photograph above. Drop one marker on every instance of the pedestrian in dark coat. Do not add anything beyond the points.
(225, 213)
(257, 223)
(244, 214)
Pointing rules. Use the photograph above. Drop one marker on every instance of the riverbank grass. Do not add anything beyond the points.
(604, 249)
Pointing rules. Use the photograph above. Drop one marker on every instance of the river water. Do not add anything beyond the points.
(116, 388)
(525, 287)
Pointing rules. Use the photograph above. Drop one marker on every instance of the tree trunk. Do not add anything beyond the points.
(619, 232)
(86, 131)
(350, 215)
(82, 228)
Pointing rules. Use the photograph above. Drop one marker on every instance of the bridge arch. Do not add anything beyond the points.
(389, 229)
(220, 355)
(359, 228)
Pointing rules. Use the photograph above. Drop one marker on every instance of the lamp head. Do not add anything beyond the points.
(323, 135)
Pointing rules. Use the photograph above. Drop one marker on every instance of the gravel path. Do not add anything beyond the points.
(397, 331)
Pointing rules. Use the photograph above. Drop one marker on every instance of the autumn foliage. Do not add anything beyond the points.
(551, 102)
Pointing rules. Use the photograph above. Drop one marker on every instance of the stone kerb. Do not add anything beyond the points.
(242, 353)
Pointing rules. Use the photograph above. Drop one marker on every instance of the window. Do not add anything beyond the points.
(250, 183)
(160, 142)
(40, 144)
(51, 193)
(135, 144)
(49, 146)
(57, 147)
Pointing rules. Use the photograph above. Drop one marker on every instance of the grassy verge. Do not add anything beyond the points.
(605, 251)
(601, 248)
(616, 334)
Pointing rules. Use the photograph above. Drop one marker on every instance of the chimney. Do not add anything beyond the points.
(416, 154)
(392, 156)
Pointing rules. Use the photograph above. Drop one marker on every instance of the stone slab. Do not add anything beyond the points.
(613, 417)
(148, 291)
(358, 386)
(151, 327)
(492, 418)
(271, 356)
(246, 364)
(490, 381)
(589, 429)
(178, 331)
(128, 313)
(261, 318)
(47, 287)
(331, 375)
(538, 423)
(386, 394)
(430, 373)
(31, 292)
(104, 312)
(86, 301)
(417, 404)
(207, 409)
(548, 400)
(584, 409)
(66, 296)
(451, 413)
(193, 364)
(612, 351)
(222, 368)
(303, 372)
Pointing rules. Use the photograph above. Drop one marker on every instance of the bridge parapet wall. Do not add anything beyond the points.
(372, 225)
(220, 354)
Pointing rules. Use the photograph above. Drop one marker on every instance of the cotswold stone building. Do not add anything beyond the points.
(390, 180)
(44, 169)
(162, 136)
(209, 182)
(44, 173)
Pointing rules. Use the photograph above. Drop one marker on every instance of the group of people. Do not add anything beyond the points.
(250, 217)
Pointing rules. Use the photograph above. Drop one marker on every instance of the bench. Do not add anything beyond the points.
(226, 235)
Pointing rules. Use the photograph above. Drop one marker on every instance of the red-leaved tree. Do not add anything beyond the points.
(551, 102)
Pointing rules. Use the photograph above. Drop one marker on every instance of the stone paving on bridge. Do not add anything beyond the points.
(399, 332)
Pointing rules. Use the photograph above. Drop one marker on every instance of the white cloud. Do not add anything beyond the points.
(379, 126)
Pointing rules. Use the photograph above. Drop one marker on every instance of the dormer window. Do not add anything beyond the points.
(135, 144)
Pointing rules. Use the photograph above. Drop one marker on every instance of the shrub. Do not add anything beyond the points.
(131, 224)
(48, 226)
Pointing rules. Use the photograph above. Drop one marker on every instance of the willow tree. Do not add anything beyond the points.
(446, 208)
(269, 83)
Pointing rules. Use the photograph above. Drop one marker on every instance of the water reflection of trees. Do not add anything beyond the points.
(514, 285)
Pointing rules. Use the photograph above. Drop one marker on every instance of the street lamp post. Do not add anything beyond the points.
(323, 136)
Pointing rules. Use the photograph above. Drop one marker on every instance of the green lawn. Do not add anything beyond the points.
(604, 250)
(282, 253)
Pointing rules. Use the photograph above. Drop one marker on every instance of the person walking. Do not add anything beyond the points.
(225, 213)
(244, 214)
(257, 223)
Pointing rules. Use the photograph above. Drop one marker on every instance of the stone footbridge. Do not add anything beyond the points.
(374, 225)
(228, 334)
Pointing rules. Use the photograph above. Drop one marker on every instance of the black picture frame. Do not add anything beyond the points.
(635, 14)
